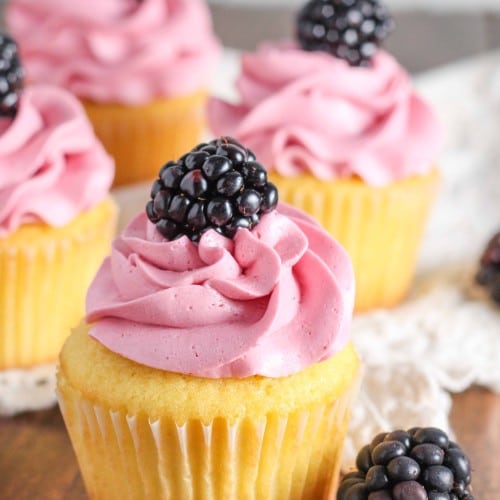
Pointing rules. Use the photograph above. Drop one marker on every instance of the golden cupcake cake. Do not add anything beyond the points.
(141, 68)
(56, 225)
(346, 137)
(215, 360)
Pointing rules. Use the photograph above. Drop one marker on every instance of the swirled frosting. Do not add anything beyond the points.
(52, 167)
(128, 51)
(270, 302)
(311, 112)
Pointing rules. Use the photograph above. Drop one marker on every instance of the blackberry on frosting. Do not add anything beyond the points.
(11, 76)
(419, 464)
(348, 29)
(218, 185)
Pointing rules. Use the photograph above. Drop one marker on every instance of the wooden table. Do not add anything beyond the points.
(37, 462)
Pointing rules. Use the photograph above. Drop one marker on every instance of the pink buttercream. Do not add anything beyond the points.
(270, 302)
(52, 167)
(311, 112)
(129, 51)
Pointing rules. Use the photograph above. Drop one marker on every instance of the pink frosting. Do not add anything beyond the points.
(270, 302)
(311, 112)
(52, 167)
(128, 51)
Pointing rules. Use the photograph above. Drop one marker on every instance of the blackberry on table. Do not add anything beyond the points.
(489, 270)
(217, 185)
(11, 76)
(418, 464)
(348, 29)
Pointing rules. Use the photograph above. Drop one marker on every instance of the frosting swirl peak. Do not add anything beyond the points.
(311, 112)
(270, 302)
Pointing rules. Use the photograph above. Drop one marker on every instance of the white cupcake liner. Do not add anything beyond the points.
(273, 457)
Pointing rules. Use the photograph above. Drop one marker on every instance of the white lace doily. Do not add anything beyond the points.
(25, 390)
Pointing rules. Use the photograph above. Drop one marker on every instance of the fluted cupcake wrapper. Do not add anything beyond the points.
(274, 457)
(143, 138)
(44, 276)
(381, 228)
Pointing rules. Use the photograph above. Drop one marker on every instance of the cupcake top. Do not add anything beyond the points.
(52, 167)
(270, 299)
(328, 108)
(127, 51)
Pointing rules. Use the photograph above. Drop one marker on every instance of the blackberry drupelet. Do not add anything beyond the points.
(489, 271)
(11, 76)
(421, 463)
(348, 29)
(218, 185)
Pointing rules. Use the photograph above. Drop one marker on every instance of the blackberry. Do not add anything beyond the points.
(217, 185)
(421, 463)
(348, 29)
(489, 270)
(11, 76)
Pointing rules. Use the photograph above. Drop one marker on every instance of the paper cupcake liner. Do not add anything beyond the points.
(275, 457)
(27, 390)
(381, 228)
(44, 275)
(143, 138)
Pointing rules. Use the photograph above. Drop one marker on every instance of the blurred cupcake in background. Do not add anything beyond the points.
(56, 225)
(141, 68)
(347, 138)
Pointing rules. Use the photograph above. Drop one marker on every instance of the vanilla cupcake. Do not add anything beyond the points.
(346, 136)
(56, 225)
(215, 359)
(141, 68)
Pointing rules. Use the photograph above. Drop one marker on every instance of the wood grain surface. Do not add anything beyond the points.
(37, 462)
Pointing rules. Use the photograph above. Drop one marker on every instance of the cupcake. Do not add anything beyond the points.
(141, 69)
(56, 225)
(215, 360)
(346, 137)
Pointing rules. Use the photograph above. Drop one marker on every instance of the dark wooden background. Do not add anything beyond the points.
(37, 462)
